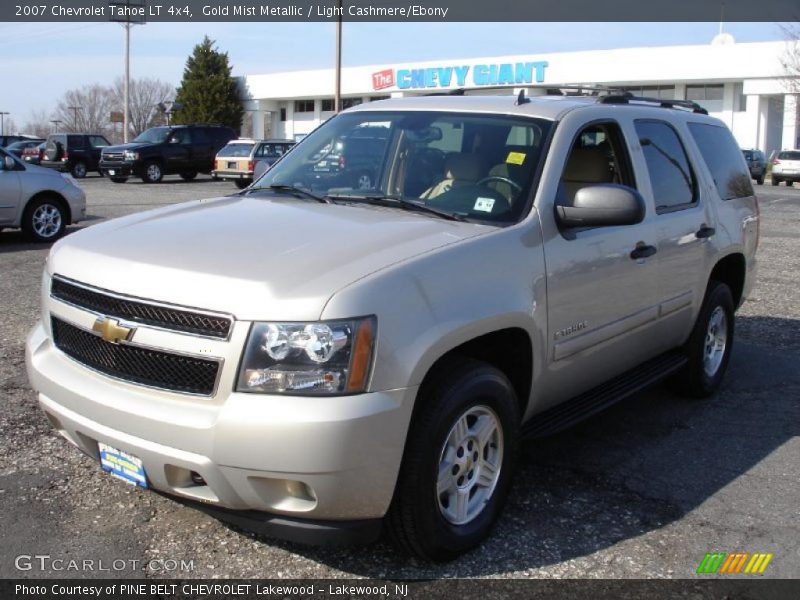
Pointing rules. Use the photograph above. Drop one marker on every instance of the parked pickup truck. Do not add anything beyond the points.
(319, 362)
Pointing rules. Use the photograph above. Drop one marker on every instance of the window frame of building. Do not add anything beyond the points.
(304, 106)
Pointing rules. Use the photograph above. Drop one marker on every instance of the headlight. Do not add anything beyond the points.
(323, 358)
(128, 155)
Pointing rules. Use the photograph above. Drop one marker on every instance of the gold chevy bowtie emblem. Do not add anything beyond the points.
(112, 331)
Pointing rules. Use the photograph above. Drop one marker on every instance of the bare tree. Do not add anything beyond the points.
(790, 61)
(86, 109)
(9, 126)
(38, 124)
(144, 95)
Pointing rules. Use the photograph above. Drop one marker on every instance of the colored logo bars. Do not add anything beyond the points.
(738, 562)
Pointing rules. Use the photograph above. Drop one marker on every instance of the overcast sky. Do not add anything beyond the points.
(42, 60)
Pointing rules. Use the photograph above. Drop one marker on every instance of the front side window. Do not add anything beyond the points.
(721, 155)
(154, 135)
(671, 177)
(98, 141)
(479, 167)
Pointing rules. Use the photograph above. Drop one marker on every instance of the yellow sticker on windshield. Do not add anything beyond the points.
(515, 158)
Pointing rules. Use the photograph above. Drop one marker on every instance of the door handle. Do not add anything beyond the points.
(705, 232)
(642, 250)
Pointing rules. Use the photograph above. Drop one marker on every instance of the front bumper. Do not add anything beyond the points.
(116, 169)
(330, 460)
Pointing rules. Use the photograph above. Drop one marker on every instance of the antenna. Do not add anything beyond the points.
(521, 99)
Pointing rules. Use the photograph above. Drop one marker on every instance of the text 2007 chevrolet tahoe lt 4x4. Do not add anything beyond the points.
(315, 362)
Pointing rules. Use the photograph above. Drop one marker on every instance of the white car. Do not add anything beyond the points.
(40, 201)
(786, 167)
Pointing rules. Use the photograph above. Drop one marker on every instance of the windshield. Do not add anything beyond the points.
(155, 135)
(468, 165)
(236, 150)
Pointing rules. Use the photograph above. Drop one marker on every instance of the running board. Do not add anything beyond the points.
(566, 414)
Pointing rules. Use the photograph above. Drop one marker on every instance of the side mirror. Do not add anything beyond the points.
(9, 164)
(602, 205)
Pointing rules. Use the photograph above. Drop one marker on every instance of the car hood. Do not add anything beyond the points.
(128, 146)
(256, 257)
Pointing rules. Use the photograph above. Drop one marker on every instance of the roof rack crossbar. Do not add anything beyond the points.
(627, 98)
(591, 89)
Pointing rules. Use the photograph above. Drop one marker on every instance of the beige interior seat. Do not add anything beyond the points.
(585, 166)
(459, 169)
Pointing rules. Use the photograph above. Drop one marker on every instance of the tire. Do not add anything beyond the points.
(242, 183)
(435, 526)
(79, 170)
(44, 219)
(703, 374)
(152, 172)
(364, 181)
(760, 180)
(119, 179)
(188, 175)
(775, 181)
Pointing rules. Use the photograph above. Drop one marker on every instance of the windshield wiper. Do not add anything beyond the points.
(297, 192)
(398, 202)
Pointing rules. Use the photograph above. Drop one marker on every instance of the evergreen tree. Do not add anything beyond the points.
(208, 93)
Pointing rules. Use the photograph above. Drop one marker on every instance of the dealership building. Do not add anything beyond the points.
(742, 84)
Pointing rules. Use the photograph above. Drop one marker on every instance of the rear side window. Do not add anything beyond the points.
(723, 158)
(75, 141)
(671, 177)
(200, 136)
(789, 156)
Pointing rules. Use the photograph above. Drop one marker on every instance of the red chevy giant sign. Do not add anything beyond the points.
(383, 79)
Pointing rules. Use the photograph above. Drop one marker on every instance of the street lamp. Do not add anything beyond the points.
(57, 123)
(3, 122)
(127, 20)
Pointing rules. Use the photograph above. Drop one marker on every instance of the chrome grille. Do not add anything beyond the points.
(143, 366)
(140, 311)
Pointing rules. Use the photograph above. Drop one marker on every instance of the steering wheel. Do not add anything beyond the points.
(510, 182)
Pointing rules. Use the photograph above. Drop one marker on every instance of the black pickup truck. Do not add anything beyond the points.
(184, 150)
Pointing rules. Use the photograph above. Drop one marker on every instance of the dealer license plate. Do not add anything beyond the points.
(111, 172)
(122, 465)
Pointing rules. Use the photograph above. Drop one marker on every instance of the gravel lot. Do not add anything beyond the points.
(643, 490)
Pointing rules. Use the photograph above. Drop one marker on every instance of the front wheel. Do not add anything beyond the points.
(44, 220)
(458, 463)
(188, 175)
(760, 180)
(119, 179)
(775, 181)
(152, 173)
(709, 345)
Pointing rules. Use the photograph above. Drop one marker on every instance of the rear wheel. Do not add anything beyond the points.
(79, 170)
(760, 179)
(119, 179)
(775, 180)
(44, 219)
(709, 346)
(458, 463)
(152, 172)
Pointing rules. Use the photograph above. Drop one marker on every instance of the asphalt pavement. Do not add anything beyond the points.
(642, 490)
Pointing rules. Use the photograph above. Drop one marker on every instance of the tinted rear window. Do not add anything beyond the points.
(724, 159)
(236, 150)
(789, 155)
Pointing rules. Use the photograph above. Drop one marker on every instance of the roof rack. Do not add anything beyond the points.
(627, 98)
(550, 89)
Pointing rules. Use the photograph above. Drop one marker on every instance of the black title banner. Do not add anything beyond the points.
(398, 10)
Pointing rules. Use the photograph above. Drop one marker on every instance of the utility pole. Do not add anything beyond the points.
(337, 100)
(122, 13)
(3, 122)
(75, 110)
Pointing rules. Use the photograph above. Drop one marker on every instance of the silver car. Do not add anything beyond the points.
(316, 359)
(40, 201)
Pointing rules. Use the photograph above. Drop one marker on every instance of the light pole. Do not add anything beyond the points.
(3, 122)
(337, 99)
(75, 110)
(56, 123)
(127, 13)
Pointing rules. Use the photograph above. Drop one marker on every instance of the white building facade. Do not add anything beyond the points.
(744, 85)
